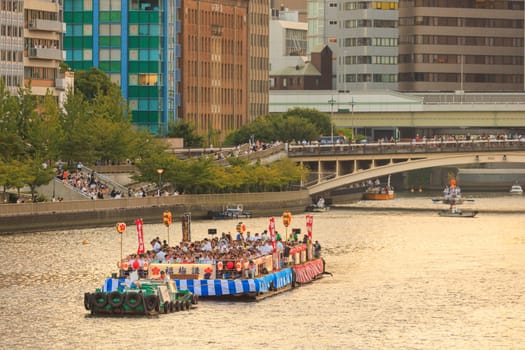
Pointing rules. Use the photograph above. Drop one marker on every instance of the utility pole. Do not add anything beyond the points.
(331, 102)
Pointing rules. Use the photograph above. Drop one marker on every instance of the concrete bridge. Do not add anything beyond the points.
(343, 165)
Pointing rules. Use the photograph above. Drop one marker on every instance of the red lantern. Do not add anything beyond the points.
(287, 218)
(135, 265)
(229, 265)
(121, 227)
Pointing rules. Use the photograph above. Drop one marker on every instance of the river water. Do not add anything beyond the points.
(402, 279)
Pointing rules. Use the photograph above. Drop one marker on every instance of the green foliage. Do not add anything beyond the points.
(95, 125)
(92, 83)
(46, 134)
(64, 67)
(295, 125)
(320, 120)
(204, 175)
(36, 175)
(187, 132)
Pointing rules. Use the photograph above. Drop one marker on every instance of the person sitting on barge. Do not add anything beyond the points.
(213, 251)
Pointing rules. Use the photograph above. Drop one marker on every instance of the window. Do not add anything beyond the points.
(148, 79)
(110, 54)
(110, 29)
(107, 5)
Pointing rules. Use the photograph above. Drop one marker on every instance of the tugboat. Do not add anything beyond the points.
(133, 292)
(121, 297)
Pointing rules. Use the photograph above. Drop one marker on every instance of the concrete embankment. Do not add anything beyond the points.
(34, 217)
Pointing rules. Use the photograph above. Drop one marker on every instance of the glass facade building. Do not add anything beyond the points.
(134, 42)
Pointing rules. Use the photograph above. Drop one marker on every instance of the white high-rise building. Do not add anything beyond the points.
(31, 49)
(363, 36)
(12, 43)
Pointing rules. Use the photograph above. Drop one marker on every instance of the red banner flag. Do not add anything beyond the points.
(271, 229)
(140, 236)
(309, 224)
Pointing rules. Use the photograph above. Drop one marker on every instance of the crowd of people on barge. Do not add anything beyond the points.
(228, 249)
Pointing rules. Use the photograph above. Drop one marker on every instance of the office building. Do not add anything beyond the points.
(363, 36)
(461, 45)
(287, 44)
(224, 65)
(31, 36)
(285, 7)
(258, 58)
(12, 43)
(133, 41)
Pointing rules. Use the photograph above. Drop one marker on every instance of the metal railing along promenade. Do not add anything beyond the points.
(412, 147)
(106, 180)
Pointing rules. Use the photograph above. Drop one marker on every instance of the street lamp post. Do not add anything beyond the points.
(331, 102)
(353, 133)
(160, 171)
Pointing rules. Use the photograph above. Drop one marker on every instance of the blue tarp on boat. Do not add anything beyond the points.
(220, 287)
(113, 284)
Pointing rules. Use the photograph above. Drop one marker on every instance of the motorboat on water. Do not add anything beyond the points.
(320, 206)
(379, 191)
(516, 189)
(231, 212)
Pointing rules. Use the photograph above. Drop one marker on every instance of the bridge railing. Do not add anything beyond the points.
(427, 146)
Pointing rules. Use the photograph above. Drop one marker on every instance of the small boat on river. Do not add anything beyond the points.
(231, 212)
(516, 189)
(378, 191)
(320, 206)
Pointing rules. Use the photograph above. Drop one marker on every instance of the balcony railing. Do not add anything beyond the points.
(46, 25)
(46, 53)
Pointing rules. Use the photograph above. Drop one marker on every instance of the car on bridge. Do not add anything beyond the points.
(328, 140)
